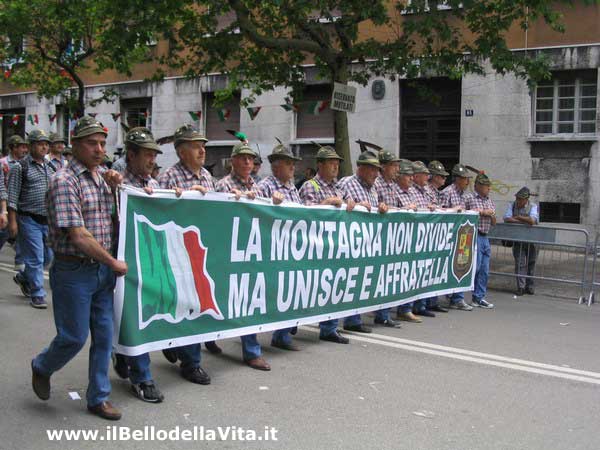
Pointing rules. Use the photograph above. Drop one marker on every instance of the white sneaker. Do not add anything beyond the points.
(461, 306)
(483, 303)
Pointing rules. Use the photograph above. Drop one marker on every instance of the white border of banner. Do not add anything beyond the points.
(194, 339)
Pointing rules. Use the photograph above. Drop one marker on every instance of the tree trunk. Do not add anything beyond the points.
(340, 126)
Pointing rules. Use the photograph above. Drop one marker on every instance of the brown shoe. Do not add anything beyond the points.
(105, 410)
(40, 384)
(409, 317)
(259, 364)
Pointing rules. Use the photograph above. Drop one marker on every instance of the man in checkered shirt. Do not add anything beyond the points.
(322, 189)
(27, 215)
(189, 174)
(240, 182)
(480, 202)
(80, 209)
(55, 157)
(453, 197)
(424, 198)
(142, 150)
(280, 187)
(360, 187)
(436, 181)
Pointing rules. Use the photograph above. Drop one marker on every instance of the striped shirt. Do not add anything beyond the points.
(421, 196)
(475, 201)
(357, 190)
(3, 192)
(181, 177)
(316, 190)
(76, 198)
(452, 197)
(270, 185)
(130, 179)
(27, 192)
(387, 191)
(232, 181)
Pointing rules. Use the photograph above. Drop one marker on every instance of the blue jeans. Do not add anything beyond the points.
(82, 298)
(36, 255)
(250, 347)
(352, 320)
(406, 308)
(139, 368)
(382, 314)
(484, 251)
(3, 237)
(282, 336)
(189, 355)
(424, 303)
(328, 327)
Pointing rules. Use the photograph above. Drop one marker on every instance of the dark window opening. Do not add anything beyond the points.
(560, 212)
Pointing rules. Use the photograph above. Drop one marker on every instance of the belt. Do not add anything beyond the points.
(73, 258)
(42, 220)
(482, 234)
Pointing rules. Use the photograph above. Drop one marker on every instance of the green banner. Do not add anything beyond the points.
(210, 267)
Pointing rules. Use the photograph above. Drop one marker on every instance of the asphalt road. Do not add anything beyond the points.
(525, 375)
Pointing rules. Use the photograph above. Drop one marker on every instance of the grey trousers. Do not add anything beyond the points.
(525, 256)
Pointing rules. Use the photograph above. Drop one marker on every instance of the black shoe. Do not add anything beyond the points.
(294, 331)
(285, 346)
(529, 291)
(520, 292)
(335, 337)
(196, 375)
(170, 354)
(23, 284)
(387, 323)
(213, 348)
(147, 392)
(120, 365)
(437, 308)
(40, 384)
(425, 313)
(358, 328)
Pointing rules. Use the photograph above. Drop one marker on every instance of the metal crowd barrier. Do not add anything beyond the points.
(561, 254)
(594, 285)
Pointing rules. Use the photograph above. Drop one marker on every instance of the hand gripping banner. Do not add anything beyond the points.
(207, 267)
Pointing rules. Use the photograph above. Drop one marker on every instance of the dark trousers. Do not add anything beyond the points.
(525, 256)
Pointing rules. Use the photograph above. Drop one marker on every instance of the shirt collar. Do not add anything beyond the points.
(77, 167)
(249, 182)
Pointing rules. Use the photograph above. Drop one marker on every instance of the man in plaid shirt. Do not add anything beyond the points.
(240, 182)
(360, 187)
(280, 187)
(436, 181)
(322, 189)
(80, 208)
(27, 216)
(142, 150)
(481, 202)
(189, 174)
(453, 197)
(55, 157)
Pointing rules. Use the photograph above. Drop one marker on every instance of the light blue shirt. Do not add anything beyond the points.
(534, 213)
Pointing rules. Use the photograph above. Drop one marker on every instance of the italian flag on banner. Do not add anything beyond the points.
(317, 108)
(15, 119)
(174, 283)
(253, 111)
(51, 117)
(224, 114)
(195, 115)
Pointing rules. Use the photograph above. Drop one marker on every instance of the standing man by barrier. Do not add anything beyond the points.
(280, 186)
(522, 211)
(28, 215)
(142, 150)
(80, 213)
(323, 190)
(454, 197)
(188, 174)
(360, 187)
(480, 202)
(387, 192)
(240, 182)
